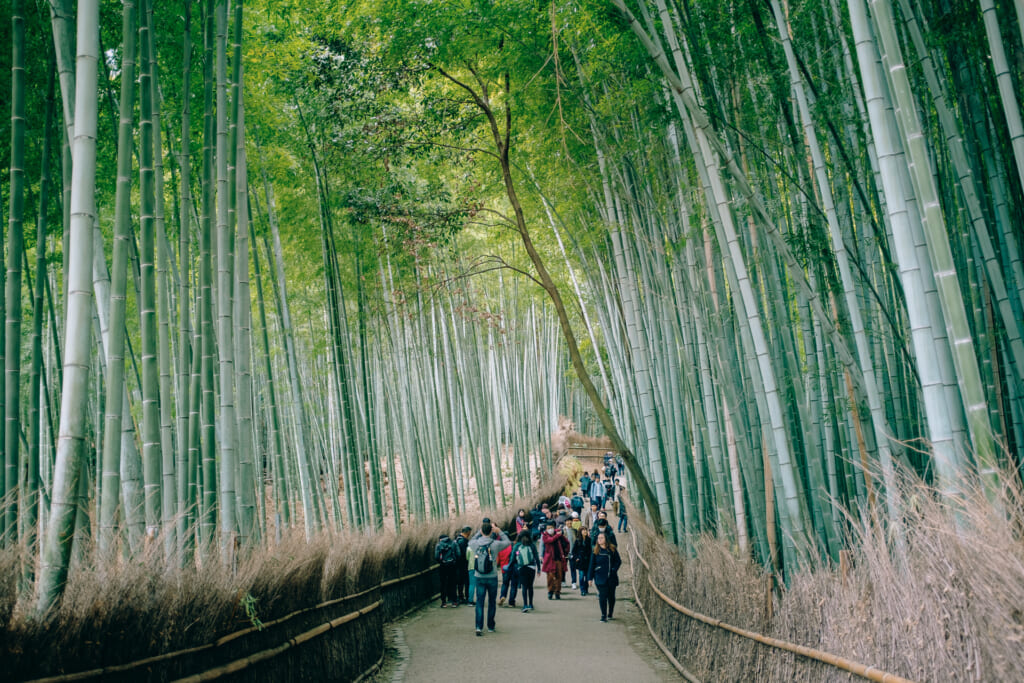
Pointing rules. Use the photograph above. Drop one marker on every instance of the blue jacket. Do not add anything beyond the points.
(603, 564)
(596, 489)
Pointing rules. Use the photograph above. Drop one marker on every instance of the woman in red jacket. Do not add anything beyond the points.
(556, 551)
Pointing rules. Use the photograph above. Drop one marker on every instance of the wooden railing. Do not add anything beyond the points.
(871, 673)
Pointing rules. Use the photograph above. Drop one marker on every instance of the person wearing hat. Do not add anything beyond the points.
(488, 542)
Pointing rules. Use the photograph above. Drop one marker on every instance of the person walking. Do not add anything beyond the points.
(462, 587)
(485, 545)
(509, 576)
(597, 492)
(576, 503)
(589, 518)
(556, 550)
(581, 551)
(524, 554)
(446, 553)
(604, 572)
(603, 527)
(623, 526)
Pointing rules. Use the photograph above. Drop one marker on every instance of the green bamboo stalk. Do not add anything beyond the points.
(119, 282)
(32, 482)
(151, 459)
(78, 346)
(185, 348)
(228, 432)
(15, 245)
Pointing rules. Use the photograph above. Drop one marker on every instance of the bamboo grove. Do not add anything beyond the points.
(175, 400)
(771, 249)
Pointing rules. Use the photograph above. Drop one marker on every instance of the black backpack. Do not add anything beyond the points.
(483, 562)
(585, 483)
(447, 552)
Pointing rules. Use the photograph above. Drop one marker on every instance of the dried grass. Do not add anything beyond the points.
(945, 605)
(131, 610)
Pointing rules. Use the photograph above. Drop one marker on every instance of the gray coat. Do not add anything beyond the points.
(497, 545)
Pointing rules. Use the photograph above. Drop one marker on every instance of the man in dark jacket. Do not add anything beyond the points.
(602, 527)
(462, 568)
(446, 553)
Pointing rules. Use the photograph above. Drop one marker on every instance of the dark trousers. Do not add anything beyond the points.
(486, 588)
(510, 584)
(606, 599)
(526, 577)
(448, 575)
(462, 582)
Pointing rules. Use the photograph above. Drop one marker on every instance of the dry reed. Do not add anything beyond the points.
(129, 610)
(944, 604)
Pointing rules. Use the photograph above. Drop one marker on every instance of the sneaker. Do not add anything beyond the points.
(558, 596)
(511, 603)
(574, 586)
(525, 610)
(501, 601)
(603, 619)
(490, 630)
(480, 633)
(551, 596)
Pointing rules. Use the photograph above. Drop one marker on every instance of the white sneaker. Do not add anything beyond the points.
(574, 586)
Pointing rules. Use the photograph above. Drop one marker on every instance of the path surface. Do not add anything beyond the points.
(561, 640)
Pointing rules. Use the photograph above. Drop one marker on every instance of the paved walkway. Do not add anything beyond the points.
(560, 641)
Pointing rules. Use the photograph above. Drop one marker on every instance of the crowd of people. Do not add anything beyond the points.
(571, 544)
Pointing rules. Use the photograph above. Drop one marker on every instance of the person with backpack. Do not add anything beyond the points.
(462, 590)
(485, 545)
(556, 551)
(524, 554)
(580, 555)
(585, 483)
(446, 552)
(604, 572)
(576, 503)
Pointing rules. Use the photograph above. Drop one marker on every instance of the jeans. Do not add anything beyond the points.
(510, 582)
(572, 570)
(526, 577)
(623, 521)
(484, 588)
(605, 598)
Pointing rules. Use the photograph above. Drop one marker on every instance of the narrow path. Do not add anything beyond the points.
(561, 640)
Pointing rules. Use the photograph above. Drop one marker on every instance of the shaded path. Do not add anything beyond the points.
(561, 640)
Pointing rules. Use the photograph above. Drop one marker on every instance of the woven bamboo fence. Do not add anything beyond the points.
(341, 639)
(684, 634)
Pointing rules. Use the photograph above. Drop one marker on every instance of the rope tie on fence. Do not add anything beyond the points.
(869, 672)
